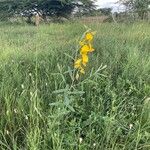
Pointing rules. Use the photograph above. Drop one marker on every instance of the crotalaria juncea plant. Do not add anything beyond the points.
(85, 48)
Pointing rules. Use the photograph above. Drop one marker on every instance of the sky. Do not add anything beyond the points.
(110, 4)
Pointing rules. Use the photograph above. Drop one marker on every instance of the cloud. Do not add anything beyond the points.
(110, 4)
(105, 3)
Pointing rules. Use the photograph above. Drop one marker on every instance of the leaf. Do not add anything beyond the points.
(69, 56)
(59, 91)
(71, 108)
(55, 104)
(76, 92)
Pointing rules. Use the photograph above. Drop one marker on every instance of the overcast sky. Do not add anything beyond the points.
(110, 4)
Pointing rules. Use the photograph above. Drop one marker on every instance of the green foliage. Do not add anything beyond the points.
(52, 8)
(5, 9)
(139, 6)
(108, 108)
(105, 11)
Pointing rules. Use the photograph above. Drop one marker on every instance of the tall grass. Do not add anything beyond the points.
(107, 109)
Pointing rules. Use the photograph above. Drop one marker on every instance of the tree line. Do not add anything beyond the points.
(65, 8)
(52, 8)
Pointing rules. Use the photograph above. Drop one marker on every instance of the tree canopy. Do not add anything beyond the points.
(139, 6)
(57, 8)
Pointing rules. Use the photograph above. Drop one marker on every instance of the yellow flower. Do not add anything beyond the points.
(77, 63)
(85, 49)
(89, 36)
(85, 59)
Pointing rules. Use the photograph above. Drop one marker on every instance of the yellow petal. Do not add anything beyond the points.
(85, 59)
(77, 63)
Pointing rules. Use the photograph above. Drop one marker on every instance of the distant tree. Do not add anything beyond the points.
(86, 7)
(105, 11)
(5, 9)
(139, 6)
(9, 8)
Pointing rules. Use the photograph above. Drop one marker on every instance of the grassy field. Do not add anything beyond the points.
(108, 108)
